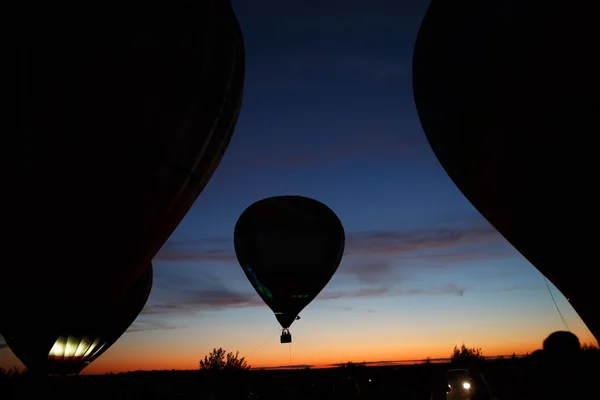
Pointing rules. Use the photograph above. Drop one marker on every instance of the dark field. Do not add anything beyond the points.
(502, 379)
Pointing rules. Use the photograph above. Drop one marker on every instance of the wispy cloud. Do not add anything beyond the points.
(403, 243)
(349, 309)
(515, 288)
(204, 250)
(370, 271)
(188, 301)
(447, 289)
(192, 301)
(407, 245)
(374, 258)
(151, 325)
(332, 295)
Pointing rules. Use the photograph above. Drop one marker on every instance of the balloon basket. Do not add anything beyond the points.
(286, 336)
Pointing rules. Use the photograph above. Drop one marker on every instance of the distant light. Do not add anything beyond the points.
(369, 380)
(467, 385)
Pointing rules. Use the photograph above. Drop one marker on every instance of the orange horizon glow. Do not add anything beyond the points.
(182, 349)
(160, 365)
(404, 328)
(122, 360)
(145, 364)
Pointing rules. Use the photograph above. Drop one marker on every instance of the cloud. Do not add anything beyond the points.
(186, 292)
(446, 289)
(144, 326)
(370, 271)
(187, 301)
(404, 242)
(216, 299)
(372, 257)
(405, 245)
(449, 288)
(377, 256)
(214, 249)
(349, 309)
(518, 287)
(332, 295)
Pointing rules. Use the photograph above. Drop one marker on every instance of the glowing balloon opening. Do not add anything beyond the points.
(74, 348)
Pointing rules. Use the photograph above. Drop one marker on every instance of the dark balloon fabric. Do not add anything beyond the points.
(503, 90)
(126, 109)
(68, 339)
(289, 247)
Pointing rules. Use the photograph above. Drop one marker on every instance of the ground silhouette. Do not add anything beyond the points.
(560, 368)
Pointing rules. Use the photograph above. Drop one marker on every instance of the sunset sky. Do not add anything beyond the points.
(328, 113)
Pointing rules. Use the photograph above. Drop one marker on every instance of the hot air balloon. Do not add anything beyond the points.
(126, 109)
(503, 90)
(289, 247)
(66, 341)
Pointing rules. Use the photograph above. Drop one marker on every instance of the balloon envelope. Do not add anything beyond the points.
(502, 90)
(289, 247)
(126, 109)
(67, 340)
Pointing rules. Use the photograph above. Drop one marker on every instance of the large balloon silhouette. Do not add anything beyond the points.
(503, 89)
(67, 340)
(126, 109)
(289, 247)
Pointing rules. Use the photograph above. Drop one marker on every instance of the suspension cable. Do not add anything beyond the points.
(263, 343)
(556, 305)
(295, 338)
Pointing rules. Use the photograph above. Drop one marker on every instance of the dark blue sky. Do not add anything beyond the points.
(328, 113)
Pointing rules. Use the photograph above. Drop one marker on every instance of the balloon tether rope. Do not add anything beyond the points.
(556, 305)
(263, 343)
(295, 338)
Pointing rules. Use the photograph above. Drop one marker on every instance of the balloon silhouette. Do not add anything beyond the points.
(289, 247)
(503, 90)
(126, 109)
(67, 340)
